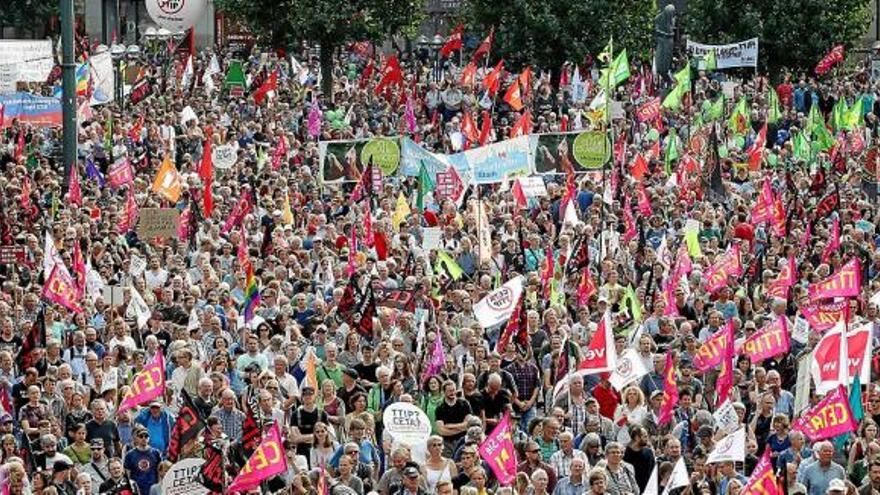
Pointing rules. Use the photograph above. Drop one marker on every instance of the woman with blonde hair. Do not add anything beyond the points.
(331, 404)
(631, 412)
(323, 447)
(436, 467)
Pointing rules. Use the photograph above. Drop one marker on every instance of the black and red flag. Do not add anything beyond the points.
(212, 472)
(35, 339)
(186, 427)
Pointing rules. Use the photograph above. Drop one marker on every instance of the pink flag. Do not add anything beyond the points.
(728, 265)
(120, 174)
(644, 201)
(710, 354)
(266, 461)
(315, 118)
(239, 211)
(772, 340)
(410, 116)
(807, 236)
(279, 153)
(129, 216)
(497, 450)
(670, 392)
(847, 282)
(829, 418)
(671, 309)
(833, 241)
(146, 385)
(762, 481)
(438, 359)
(629, 222)
(724, 384)
(822, 316)
(74, 191)
(183, 226)
(782, 284)
(61, 289)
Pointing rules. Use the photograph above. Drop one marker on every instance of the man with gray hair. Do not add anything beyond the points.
(496, 401)
(561, 460)
(817, 475)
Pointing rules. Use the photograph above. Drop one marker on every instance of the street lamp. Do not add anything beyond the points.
(436, 43)
(117, 53)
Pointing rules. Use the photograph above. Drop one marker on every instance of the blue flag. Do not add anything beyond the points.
(93, 173)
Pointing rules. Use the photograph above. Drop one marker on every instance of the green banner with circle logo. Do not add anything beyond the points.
(591, 150)
(385, 154)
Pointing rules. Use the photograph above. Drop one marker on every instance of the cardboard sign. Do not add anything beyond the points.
(224, 157)
(406, 423)
(181, 478)
(533, 187)
(158, 222)
(431, 237)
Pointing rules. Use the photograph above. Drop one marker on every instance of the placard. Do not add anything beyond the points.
(11, 254)
(224, 157)
(533, 187)
(431, 237)
(33, 58)
(406, 423)
(158, 222)
(181, 478)
(8, 78)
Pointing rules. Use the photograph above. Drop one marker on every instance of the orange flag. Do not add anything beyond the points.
(469, 128)
(468, 75)
(493, 81)
(513, 96)
(486, 46)
(525, 82)
(167, 181)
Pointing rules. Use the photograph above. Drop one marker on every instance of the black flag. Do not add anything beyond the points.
(211, 473)
(35, 339)
(187, 426)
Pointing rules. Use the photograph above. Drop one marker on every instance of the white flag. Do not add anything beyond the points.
(187, 76)
(726, 419)
(653, 486)
(630, 368)
(50, 255)
(730, 448)
(193, 320)
(499, 304)
(95, 284)
(137, 266)
(137, 308)
(208, 76)
(678, 478)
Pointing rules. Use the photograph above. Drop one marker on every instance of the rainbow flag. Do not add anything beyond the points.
(251, 293)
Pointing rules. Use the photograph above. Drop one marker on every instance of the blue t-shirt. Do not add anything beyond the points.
(143, 467)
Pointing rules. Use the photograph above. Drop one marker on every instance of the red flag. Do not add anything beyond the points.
(486, 129)
(74, 190)
(756, 152)
(525, 81)
(519, 196)
(523, 126)
(787, 277)
(486, 46)
(468, 75)
(833, 241)
(367, 73)
(670, 392)
(639, 168)
(725, 377)
(453, 41)
(135, 132)
(563, 123)
(469, 128)
(206, 172)
(601, 355)
(834, 57)
(586, 288)
(391, 73)
(493, 81)
(271, 84)
(20, 145)
(513, 96)
(79, 267)
(563, 76)
(547, 273)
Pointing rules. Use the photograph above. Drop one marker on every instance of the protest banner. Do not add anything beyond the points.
(344, 160)
(589, 150)
(727, 265)
(181, 478)
(740, 54)
(772, 340)
(158, 222)
(493, 163)
(406, 423)
(38, 111)
(831, 417)
(413, 156)
(11, 254)
(146, 385)
(822, 316)
(826, 358)
(499, 304)
(709, 354)
(498, 451)
(846, 282)
(33, 59)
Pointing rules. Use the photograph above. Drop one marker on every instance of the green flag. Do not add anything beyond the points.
(235, 75)
(691, 238)
(739, 121)
(635, 309)
(774, 113)
(617, 72)
(853, 118)
(684, 76)
(673, 99)
(605, 55)
(445, 263)
(822, 137)
(838, 115)
(426, 185)
(802, 147)
(715, 110)
(671, 150)
(711, 60)
(855, 404)
(814, 118)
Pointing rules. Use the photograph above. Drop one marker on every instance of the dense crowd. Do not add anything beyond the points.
(302, 356)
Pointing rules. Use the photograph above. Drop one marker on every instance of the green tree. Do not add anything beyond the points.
(793, 34)
(28, 16)
(330, 23)
(546, 33)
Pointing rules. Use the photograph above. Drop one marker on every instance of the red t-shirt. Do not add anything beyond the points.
(608, 400)
(744, 231)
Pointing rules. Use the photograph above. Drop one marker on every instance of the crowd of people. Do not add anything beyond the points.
(302, 356)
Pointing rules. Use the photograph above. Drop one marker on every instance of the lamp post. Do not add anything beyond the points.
(436, 44)
(117, 53)
(68, 99)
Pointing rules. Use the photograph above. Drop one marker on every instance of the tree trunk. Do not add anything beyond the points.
(326, 57)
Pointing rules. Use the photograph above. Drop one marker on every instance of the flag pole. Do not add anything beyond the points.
(608, 92)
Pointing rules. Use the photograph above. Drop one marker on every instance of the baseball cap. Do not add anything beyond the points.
(836, 485)
(97, 443)
(411, 472)
(64, 464)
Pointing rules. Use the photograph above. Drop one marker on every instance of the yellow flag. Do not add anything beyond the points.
(446, 264)
(167, 181)
(693, 243)
(286, 213)
(401, 212)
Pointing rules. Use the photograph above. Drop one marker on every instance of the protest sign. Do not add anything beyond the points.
(630, 367)
(38, 111)
(498, 451)
(582, 150)
(533, 187)
(493, 163)
(103, 78)
(33, 58)
(224, 157)
(11, 254)
(8, 78)
(181, 478)
(406, 423)
(158, 222)
(413, 156)
(431, 237)
(740, 54)
(831, 417)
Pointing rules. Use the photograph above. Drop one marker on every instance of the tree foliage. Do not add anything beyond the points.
(331, 23)
(546, 33)
(28, 16)
(793, 34)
